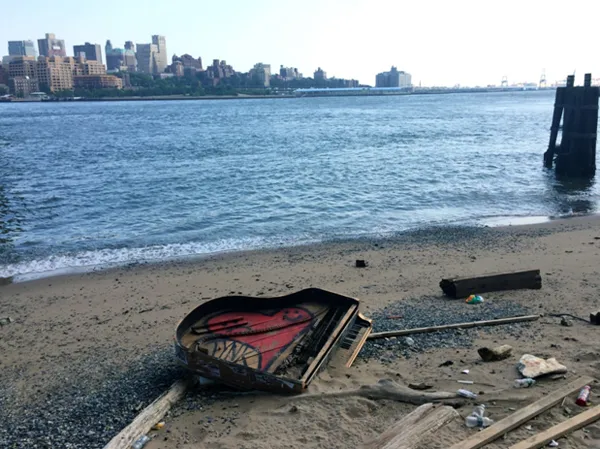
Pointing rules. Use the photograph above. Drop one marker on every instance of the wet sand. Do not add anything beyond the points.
(71, 333)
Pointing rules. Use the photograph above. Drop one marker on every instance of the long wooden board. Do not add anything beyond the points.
(152, 414)
(521, 416)
(422, 330)
(461, 287)
(559, 430)
(409, 432)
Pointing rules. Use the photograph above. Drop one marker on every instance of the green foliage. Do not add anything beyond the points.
(3, 90)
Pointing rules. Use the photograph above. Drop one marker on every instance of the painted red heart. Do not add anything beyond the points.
(267, 333)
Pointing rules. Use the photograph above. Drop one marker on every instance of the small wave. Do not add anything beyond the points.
(86, 261)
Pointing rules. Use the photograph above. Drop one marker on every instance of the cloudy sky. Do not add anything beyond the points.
(439, 42)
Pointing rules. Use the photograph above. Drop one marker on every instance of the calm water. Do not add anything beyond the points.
(98, 183)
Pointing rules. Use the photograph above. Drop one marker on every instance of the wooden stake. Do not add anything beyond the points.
(521, 416)
(559, 430)
(152, 414)
(422, 330)
(409, 432)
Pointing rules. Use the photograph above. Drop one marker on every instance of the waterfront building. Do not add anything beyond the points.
(3, 75)
(289, 73)
(393, 78)
(161, 58)
(97, 82)
(320, 75)
(22, 66)
(55, 73)
(83, 66)
(129, 59)
(23, 86)
(261, 74)
(51, 46)
(146, 55)
(21, 48)
(91, 52)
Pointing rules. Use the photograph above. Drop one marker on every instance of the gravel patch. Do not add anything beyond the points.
(436, 311)
(84, 415)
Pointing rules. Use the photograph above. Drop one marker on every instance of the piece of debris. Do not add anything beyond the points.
(140, 442)
(293, 409)
(6, 280)
(477, 418)
(528, 427)
(553, 443)
(447, 363)
(465, 371)
(5, 321)
(557, 377)
(524, 383)
(474, 299)
(584, 396)
(360, 263)
(422, 386)
(158, 425)
(565, 322)
(495, 354)
(465, 382)
(595, 318)
(279, 347)
(465, 286)
(408, 341)
(532, 366)
(466, 394)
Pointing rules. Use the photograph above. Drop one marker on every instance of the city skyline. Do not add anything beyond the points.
(440, 43)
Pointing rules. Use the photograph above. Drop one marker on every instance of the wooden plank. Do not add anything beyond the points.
(423, 330)
(576, 422)
(152, 414)
(521, 416)
(461, 287)
(409, 432)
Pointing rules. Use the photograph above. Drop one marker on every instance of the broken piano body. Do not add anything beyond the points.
(271, 344)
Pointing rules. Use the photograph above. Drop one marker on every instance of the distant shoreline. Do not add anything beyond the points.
(270, 97)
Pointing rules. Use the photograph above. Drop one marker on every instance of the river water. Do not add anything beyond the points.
(94, 184)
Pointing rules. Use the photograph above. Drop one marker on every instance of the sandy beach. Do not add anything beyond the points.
(86, 352)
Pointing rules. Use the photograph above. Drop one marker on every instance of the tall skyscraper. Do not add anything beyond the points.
(21, 48)
(92, 52)
(129, 46)
(161, 53)
(129, 59)
(146, 55)
(50, 46)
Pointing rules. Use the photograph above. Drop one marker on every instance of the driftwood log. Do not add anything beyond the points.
(462, 287)
(388, 389)
(495, 354)
(152, 414)
(410, 431)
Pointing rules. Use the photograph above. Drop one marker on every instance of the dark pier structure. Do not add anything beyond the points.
(575, 156)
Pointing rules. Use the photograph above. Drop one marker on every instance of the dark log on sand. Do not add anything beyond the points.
(462, 287)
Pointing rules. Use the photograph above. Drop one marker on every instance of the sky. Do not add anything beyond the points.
(438, 42)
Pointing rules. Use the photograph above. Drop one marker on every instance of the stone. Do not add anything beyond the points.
(5, 321)
(532, 366)
(565, 322)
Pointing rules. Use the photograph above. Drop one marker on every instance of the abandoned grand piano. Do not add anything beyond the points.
(271, 344)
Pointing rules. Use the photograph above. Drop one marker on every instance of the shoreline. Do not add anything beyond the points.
(523, 223)
(98, 346)
(284, 96)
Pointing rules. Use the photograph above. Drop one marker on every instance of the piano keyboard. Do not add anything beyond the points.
(352, 341)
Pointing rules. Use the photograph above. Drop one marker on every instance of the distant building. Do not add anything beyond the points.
(146, 55)
(85, 67)
(22, 66)
(91, 52)
(289, 73)
(320, 75)
(3, 75)
(21, 48)
(23, 86)
(97, 82)
(217, 71)
(261, 74)
(161, 58)
(129, 58)
(55, 73)
(50, 46)
(118, 59)
(393, 78)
